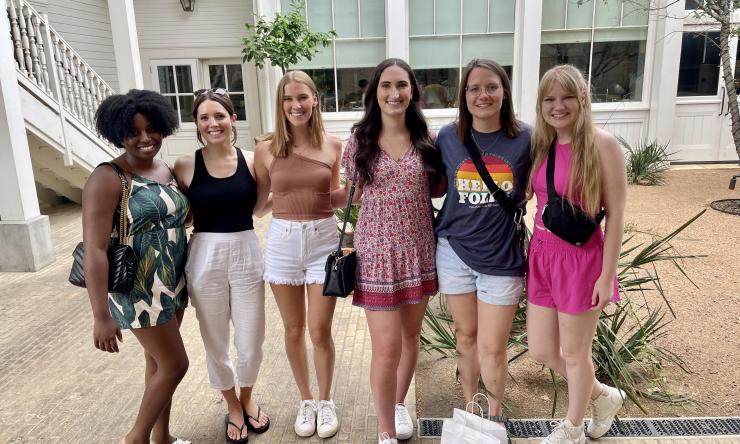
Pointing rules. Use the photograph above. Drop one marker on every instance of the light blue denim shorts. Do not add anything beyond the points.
(455, 277)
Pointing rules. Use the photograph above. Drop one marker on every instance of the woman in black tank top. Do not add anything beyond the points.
(224, 268)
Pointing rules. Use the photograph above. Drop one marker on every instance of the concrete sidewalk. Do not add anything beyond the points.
(57, 388)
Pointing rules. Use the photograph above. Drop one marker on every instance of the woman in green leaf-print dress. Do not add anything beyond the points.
(137, 122)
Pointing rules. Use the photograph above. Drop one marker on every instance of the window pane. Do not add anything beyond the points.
(345, 19)
(608, 13)
(216, 74)
(698, 73)
(184, 79)
(737, 72)
(580, 16)
(502, 15)
(435, 52)
(636, 13)
(448, 17)
(352, 83)
(616, 74)
(556, 54)
(319, 15)
(166, 79)
(324, 80)
(173, 102)
(234, 76)
(692, 4)
(566, 36)
(421, 17)
(240, 104)
(438, 87)
(186, 108)
(356, 53)
(372, 17)
(553, 14)
(474, 16)
(323, 59)
(496, 47)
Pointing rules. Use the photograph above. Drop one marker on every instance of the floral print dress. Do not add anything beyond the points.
(393, 238)
(156, 232)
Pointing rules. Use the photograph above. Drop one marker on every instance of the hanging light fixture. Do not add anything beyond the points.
(187, 5)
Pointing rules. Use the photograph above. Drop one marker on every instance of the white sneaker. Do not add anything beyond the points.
(327, 423)
(603, 410)
(305, 422)
(565, 433)
(404, 425)
(385, 438)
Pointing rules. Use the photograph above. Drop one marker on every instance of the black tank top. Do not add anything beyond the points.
(222, 205)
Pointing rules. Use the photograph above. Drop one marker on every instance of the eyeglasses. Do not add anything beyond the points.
(217, 91)
(476, 90)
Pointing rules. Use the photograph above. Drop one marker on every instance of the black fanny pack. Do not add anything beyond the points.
(563, 218)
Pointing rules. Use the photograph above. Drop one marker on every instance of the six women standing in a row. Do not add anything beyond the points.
(478, 259)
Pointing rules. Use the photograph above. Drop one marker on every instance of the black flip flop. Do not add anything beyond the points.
(252, 428)
(229, 440)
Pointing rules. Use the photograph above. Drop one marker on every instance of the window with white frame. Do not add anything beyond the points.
(341, 70)
(445, 35)
(176, 83)
(229, 77)
(698, 72)
(605, 40)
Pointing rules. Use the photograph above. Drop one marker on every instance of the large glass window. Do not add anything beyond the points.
(698, 73)
(176, 83)
(229, 77)
(605, 40)
(445, 35)
(341, 70)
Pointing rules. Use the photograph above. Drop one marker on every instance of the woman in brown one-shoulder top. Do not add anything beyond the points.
(299, 163)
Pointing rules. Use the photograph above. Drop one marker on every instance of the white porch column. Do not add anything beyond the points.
(526, 73)
(125, 44)
(269, 76)
(397, 29)
(664, 76)
(25, 235)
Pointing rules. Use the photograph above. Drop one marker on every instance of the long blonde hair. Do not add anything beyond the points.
(280, 139)
(585, 171)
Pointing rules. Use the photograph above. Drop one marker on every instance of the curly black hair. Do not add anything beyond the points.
(114, 117)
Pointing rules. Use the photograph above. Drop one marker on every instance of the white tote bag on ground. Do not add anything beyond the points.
(466, 427)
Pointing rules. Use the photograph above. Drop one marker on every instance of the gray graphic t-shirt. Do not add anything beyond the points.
(480, 231)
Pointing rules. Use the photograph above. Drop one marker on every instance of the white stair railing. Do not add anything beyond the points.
(44, 58)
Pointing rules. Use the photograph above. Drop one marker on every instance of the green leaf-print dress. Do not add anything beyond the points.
(156, 232)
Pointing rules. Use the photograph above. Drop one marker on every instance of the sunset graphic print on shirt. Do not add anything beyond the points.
(471, 189)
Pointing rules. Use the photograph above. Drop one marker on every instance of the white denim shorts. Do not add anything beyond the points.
(455, 277)
(296, 251)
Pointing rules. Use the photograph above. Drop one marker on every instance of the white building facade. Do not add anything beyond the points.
(653, 75)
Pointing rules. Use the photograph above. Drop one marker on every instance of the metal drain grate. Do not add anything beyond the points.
(534, 428)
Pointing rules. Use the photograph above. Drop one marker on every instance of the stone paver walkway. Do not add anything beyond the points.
(56, 387)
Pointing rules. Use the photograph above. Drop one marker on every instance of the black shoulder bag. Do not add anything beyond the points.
(340, 267)
(564, 219)
(498, 194)
(121, 257)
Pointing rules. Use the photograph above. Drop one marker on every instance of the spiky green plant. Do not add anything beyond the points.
(647, 162)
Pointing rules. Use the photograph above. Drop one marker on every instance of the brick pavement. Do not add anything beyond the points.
(56, 388)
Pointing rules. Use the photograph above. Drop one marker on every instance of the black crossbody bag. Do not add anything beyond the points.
(498, 194)
(563, 218)
(340, 268)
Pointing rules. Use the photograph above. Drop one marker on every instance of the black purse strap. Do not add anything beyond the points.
(550, 176)
(346, 210)
(498, 194)
(125, 193)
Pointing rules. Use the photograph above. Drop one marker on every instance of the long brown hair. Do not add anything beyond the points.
(221, 99)
(585, 171)
(511, 126)
(281, 138)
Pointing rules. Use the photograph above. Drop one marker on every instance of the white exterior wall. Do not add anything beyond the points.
(85, 25)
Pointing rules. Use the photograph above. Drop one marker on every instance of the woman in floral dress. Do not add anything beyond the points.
(397, 166)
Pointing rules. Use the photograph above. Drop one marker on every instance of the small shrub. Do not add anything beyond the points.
(647, 162)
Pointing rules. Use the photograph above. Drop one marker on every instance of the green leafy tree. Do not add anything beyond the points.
(284, 41)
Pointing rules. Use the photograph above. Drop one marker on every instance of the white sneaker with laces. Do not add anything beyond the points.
(404, 425)
(385, 438)
(565, 433)
(305, 422)
(327, 423)
(603, 410)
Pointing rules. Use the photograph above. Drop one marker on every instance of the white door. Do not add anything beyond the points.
(726, 143)
(701, 129)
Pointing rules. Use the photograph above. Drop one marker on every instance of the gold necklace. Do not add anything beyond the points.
(480, 148)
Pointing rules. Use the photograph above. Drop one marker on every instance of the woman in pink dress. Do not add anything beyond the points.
(397, 166)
